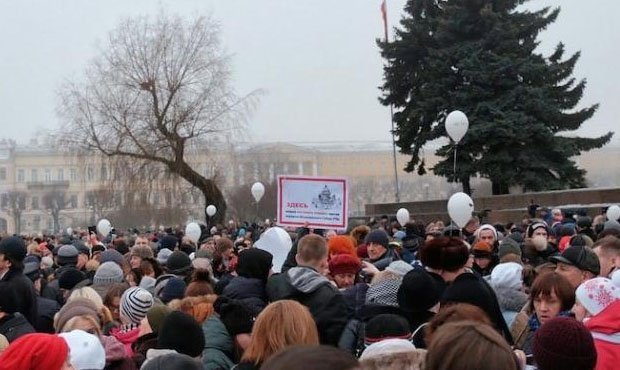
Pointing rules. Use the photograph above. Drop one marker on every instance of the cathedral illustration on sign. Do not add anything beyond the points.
(326, 200)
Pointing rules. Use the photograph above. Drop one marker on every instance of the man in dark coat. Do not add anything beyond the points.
(12, 254)
(307, 285)
(12, 324)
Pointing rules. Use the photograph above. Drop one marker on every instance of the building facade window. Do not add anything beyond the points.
(60, 174)
(36, 222)
(34, 175)
(21, 175)
(35, 203)
(73, 202)
(73, 174)
(48, 175)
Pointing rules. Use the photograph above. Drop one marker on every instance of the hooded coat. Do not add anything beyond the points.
(605, 328)
(511, 302)
(313, 290)
(218, 345)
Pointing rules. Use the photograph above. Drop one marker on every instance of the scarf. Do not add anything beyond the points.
(535, 324)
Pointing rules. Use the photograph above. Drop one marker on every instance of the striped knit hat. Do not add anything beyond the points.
(135, 303)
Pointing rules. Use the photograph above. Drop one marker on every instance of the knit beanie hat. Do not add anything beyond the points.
(254, 263)
(564, 343)
(509, 246)
(174, 289)
(108, 273)
(70, 278)
(156, 315)
(399, 268)
(236, 315)
(341, 244)
(178, 263)
(482, 250)
(377, 236)
(112, 255)
(344, 264)
(135, 302)
(172, 361)
(534, 226)
(75, 307)
(384, 293)
(13, 248)
(86, 350)
(386, 326)
(168, 242)
(419, 291)
(180, 332)
(486, 227)
(35, 351)
(67, 255)
(507, 275)
(596, 294)
(142, 251)
(163, 255)
(387, 347)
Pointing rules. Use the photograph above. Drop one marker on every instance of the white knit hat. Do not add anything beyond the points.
(596, 294)
(386, 347)
(86, 350)
(507, 275)
(135, 302)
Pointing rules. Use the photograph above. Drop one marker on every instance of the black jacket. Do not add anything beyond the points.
(46, 309)
(472, 289)
(308, 287)
(249, 291)
(15, 325)
(26, 303)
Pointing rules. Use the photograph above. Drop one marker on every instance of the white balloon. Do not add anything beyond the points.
(460, 208)
(69, 231)
(613, 213)
(103, 227)
(211, 210)
(193, 232)
(456, 125)
(402, 215)
(277, 242)
(258, 190)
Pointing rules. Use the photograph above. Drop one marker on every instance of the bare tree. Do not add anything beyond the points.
(15, 203)
(159, 89)
(55, 201)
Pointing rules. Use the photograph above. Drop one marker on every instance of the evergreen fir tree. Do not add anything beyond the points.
(479, 56)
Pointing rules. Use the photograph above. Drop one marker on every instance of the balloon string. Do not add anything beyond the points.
(454, 167)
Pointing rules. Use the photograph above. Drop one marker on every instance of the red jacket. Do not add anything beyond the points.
(605, 328)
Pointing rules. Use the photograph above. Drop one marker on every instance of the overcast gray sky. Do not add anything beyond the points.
(317, 59)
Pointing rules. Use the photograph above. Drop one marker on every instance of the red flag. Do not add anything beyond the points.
(384, 16)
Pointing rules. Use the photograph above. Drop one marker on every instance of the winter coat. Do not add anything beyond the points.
(605, 328)
(13, 326)
(115, 355)
(472, 289)
(510, 303)
(126, 337)
(250, 291)
(218, 345)
(313, 290)
(536, 258)
(520, 328)
(355, 298)
(26, 302)
(46, 309)
(352, 337)
(141, 346)
(384, 261)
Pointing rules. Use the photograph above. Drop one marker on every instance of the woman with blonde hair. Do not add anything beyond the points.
(281, 324)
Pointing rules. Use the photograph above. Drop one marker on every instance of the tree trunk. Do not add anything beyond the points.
(212, 193)
(499, 188)
(466, 185)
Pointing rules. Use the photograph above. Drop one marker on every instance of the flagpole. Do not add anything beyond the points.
(385, 31)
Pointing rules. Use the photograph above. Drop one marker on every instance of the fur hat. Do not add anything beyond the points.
(75, 307)
(142, 251)
(564, 343)
(386, 347)
(344, 264)
(341, 244)
(13, 248)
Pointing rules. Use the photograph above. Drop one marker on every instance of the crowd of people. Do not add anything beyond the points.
(540, 294)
